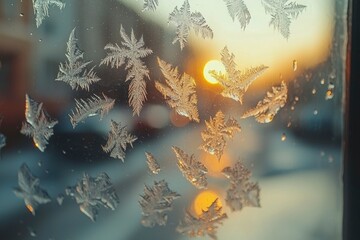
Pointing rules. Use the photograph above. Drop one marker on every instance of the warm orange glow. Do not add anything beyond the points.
(30, 208)
(203, 201)
(214, 165)
(215, 65)
(177, 120)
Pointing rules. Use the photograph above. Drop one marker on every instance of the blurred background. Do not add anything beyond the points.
(296, 159)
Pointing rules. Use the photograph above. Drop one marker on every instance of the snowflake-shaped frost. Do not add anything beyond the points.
(38, 125)
(180, 91)
(241, 193)
(266, 109)
(117, 140)
(238, 9)
(132, 51)
(185, 21)
(206, 224)
(193, 170)
(29, 189)
(92, 106)
(74, 71)
(41, 9)
(153, 165)
(155, 203)
(282, 12)
(91, 193)
(217, 132)
(235, 82)
(150, 5)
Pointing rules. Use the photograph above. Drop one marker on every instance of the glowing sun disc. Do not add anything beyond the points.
(213, 65)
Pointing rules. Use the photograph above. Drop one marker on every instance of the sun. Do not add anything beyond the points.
(213, 65)
(203, 201)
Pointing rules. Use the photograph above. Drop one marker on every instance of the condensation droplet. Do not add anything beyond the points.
(296, 98)
(283, 137)
(60, 199)
(39, 163)
(32, 233)
(322, 81)
(315, 112)
(330, 159)
(313, 91)
(21, 14)
(295, 66)
(64, 152)
(330, 92)
(292, 108)
(40, 40)
(322, 153)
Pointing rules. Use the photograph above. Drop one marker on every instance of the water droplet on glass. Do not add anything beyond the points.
(330, 159)
(40, 40)
(292, 108)
(330, 92)
(39, 163)
(296, 98)
(315, 112)
(60, 199)
(295, 65)
(322, 153)
(31, 34)
(21, 14)
(32, 233)
(322, 81)
(313, 91)
(283, 137)
(289, 124)
(64, 152)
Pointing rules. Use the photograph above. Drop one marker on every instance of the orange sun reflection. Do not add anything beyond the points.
(203, 201)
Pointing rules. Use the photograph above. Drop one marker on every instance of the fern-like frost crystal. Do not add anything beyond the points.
(153, 165)
(242, 193)
(282, 12)
(132, 52)
(193, 170)
(74, 71)
(217, 132)
(266, 109)
(29, 189)
(92, 193)
(206, 224)
(235, 82)
(92, 106)
(38, 125)
(185, 21)
(179, 91)
(150, 5)
(238, 9)
(2, 141)
(117, 141)
(41, 9)
(155, 203)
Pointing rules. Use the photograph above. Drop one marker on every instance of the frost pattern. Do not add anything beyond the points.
(235, 82)
(217, 132)
(74, 71)
(194, 171)
(153, 165)
(206, 224)
(117, 140)
(29, 189)
(132, 51)
(2, 141)
(38, 125)
(238, 9)
(155, 203)
(150, 5)
(185, 21)
(242, 192)
(266, 109)
(91, 193)
(180, 91)
(282, 13)
(41, 9)
(92, 106)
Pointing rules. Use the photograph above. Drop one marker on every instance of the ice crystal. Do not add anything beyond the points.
(91, 193)
(150, 5)
(155, 203)
(29, 189)
(117, 140)
(180, 91)
(241, 193)
(38, 125)
(2, 141)
(193, 170)
(238, 9)
(41, 9)
(235, 82)
(92, 106)
(282, 12)
(74, 71)
(132, 51)
(206, 224)
(153, 165)
(185, 21)
(217, 132)
(266, 109)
